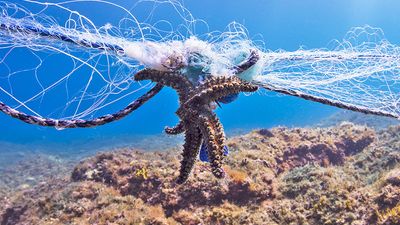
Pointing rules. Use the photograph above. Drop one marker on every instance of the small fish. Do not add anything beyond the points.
(204, 153)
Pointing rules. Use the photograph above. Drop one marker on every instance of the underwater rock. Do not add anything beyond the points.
(393, 177)
(266, 132)
(340, 175)
(373, 121)
(285, 149)
(27, 172)
(387, 208)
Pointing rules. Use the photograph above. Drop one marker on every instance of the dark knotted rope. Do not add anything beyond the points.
(326, 101)
(251, 61)
(48, 122)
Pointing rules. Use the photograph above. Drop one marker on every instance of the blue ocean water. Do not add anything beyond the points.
(281, 24)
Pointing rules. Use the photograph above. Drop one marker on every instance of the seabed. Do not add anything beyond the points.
(328, 174)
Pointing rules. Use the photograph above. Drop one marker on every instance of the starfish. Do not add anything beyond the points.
(197, 119)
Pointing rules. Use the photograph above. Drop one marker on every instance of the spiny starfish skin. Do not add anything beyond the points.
(178, 129)
(197, 118)
(181, 84)
(191, 147)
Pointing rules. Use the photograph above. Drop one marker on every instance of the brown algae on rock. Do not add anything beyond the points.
(346, 174)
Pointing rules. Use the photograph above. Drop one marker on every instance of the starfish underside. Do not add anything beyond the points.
(197, 119)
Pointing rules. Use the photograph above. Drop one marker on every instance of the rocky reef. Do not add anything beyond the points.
(373, 121)
(346, 174)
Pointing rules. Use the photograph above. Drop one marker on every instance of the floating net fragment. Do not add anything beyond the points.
(78, 73)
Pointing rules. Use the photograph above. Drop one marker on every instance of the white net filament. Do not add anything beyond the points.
(72, 68)
(363, 71)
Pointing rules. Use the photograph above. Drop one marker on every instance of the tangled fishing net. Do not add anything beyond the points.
(72, 68)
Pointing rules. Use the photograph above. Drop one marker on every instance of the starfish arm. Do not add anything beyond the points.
(171, 79)
(178, 129)
(219, 130)
(191, 148)
(226, 81)
(220, 87)
(215, 150)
